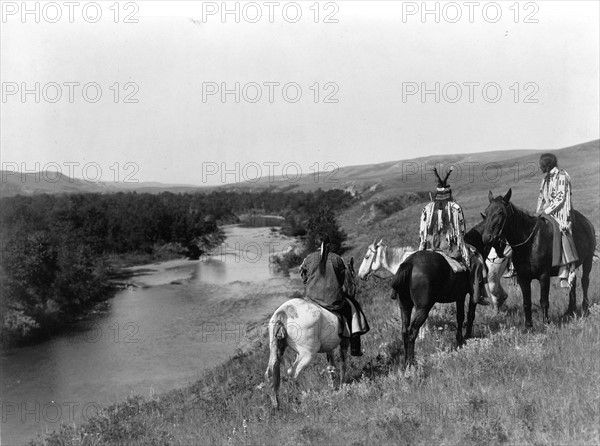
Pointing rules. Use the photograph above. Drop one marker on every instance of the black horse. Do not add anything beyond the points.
(424, 279)
(531, 240)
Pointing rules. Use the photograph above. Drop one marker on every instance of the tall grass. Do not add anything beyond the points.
(507, 385)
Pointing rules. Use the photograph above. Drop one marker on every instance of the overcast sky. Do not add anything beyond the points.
(510, 75)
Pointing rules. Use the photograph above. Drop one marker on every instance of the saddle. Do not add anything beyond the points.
(456, 265)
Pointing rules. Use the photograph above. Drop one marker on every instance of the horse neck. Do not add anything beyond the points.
(519, 227)
(392, 257)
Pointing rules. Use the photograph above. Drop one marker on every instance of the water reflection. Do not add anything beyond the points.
(154, 339)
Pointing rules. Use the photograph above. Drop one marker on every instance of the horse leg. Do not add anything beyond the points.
(406, 309)
(573, 298)
(544, 292)
(525, 285)
(420, 317)
(304, 358)
(460, 319)
(470, 318)
(330, 369)
(344, 344)
(585, 283)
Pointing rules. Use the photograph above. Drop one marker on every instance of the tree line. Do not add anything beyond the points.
(59, 251)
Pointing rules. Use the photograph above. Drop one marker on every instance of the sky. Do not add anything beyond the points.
(180, 93)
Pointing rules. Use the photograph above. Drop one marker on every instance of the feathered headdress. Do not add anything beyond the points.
(443, 191)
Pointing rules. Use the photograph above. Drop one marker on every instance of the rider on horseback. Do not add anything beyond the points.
(323, 274)
(443, 229)
(555, 201)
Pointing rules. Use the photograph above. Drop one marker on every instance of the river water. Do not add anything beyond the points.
(180, 318)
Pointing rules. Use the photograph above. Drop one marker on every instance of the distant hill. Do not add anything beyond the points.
(50, 182)
(473, 172)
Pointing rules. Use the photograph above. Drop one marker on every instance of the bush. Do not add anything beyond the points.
(324, 222)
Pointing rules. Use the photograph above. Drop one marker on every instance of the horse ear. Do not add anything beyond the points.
(374, 242)
(483, 215)
(506, 198)
(491, 196)
(380, 242)
(352, 262)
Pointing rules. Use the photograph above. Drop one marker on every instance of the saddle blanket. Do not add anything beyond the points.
(457, 266)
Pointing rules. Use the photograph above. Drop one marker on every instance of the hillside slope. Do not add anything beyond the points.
(412, 175)
(521, 174)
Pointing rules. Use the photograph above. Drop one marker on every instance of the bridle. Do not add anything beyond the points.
(371, 272)
(501, 231)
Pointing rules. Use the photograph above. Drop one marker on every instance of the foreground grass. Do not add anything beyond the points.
(506, 386)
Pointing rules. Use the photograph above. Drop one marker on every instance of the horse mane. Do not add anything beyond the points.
(520, 209)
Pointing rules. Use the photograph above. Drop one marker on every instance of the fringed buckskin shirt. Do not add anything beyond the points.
(324, 289)
(447, 237)
(555, 197)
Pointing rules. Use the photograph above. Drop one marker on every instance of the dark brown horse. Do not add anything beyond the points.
(531, 241)
(424, 279)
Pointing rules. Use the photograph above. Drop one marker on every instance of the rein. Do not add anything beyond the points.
(530, 235)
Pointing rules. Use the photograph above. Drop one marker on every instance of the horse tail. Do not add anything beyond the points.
(401, 282)
(277, 344)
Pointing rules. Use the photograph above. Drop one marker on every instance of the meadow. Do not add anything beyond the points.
(508, 385)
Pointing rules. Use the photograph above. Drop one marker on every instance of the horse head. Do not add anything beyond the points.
(495, 217)
(372, 260)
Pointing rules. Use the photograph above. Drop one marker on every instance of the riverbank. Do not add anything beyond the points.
(171, 268)
(511, 387)
(507, 386)
(174, 321)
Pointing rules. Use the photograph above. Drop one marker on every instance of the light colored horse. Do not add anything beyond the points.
(388, 258)
(379, 256)
(307, 329)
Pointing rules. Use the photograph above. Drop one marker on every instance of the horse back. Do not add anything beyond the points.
(308, 325)
(584, 236)
(431, 280)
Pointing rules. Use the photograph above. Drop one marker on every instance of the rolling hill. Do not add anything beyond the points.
(474, 172)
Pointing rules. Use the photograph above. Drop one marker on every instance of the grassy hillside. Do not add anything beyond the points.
(387, 178)
(507, 386)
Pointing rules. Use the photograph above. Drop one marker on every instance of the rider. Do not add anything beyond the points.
(443, 229)
(555, 200)
(324, 273)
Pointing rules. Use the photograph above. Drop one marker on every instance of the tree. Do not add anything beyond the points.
(324, 222)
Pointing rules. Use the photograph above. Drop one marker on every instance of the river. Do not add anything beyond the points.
(181, 318)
